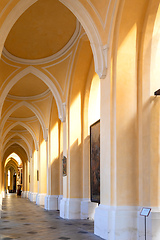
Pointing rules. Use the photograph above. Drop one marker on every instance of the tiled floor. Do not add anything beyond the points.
(22, 219)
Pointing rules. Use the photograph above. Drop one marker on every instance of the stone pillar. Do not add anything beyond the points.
(70, 205)
(40, 199)
(51, 200)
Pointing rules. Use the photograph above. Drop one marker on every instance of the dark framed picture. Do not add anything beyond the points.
(95, 161)
(37, 175)
(64, 165)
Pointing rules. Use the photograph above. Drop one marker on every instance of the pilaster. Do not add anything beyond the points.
(40, 199)
(51, 202)
(70, 208)
(88, 209)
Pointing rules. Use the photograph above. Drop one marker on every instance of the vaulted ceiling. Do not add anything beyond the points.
(36, 66)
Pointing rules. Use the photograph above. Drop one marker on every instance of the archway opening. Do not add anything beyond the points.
(13, 170)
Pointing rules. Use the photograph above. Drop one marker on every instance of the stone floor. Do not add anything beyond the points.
(22, 219)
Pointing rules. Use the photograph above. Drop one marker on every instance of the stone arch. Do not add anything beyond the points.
(31, 107)
(23, 138)
(25, 126)
(15, 142)
(13, 160)
(41, 76)
(83, 16)
(150, 111)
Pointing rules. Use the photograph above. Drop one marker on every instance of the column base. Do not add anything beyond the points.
(3, 194)
(70, 208)
(23, 194)
(51, 202)
(40, 199)
(29, 195)
(118, 223)
(33, 197)
(60, 197)
(0, 204)
(88, 209)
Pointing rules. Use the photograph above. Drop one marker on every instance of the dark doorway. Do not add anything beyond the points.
(14, 183)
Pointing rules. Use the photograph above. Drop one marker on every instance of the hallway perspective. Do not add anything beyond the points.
(22, 219)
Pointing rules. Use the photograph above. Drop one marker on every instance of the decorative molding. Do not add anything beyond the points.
(20, 131)
(29, 119)
(82, 15)
(49, 59)
(110, 221)
(45, 69)
(5, 149)
(103, 23)
(30, 98)
(22, 138)
(32, 108)
(92, 32)
(71, 65)
(40, 75)
(23, 125)
(5, 8)
(17, 68)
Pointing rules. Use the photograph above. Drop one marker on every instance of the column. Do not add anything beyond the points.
(63, 202)
(70, 206)
(40, 200)
(52, 145)
(34, 177)
(102, 212)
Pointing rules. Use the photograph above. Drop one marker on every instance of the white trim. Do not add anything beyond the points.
(92, 32)
(20, 131)
(60, 197)
(103, 23)
(49, 59)
(113, 221)
(70, 208)
(17, 68)
(51, 202)
(5, 149)
(45, 69)
(44, 78)
(29, 119)
(33, 196)
(71, 66)
(32, 108)
(23, 138)
(42, 95)
(88, 209)
(25, 126)
(82, 15)
(40, 199)
(4, 9)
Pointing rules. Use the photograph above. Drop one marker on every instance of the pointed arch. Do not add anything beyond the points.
(33, 109)
(41, 76)
(12, 164)
(23, 138)
(15, 142)
(12, 159)
(25, 126)
(80, 12)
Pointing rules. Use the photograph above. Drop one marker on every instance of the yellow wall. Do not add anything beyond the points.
(43, 166)
(54, 151)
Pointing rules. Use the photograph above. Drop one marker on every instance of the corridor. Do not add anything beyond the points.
(22, 219)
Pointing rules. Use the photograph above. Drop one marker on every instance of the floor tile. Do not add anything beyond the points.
(22, 219)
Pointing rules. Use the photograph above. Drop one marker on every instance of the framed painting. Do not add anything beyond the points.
(37, 175)
(64, 165)
(95, 161)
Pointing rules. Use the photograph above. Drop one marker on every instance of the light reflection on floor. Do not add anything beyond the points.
(22, 219)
